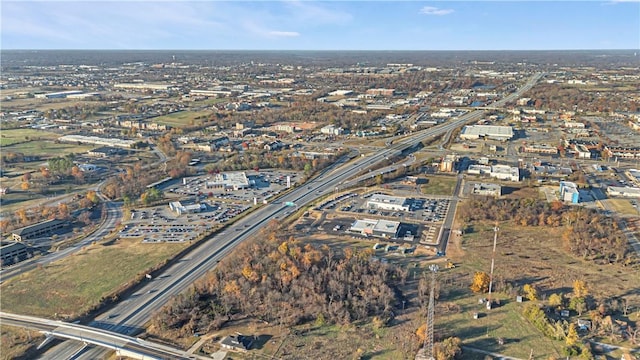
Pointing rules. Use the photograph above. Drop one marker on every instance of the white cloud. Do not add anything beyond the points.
(283, 33)
(432, 10)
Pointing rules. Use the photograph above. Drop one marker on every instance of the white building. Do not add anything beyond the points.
(386, 202)
(627, 191)
(505, 172)
(331, 130)
(378, 228)
(501, 172)
(179, 208)
(474, 132)
(230, 181)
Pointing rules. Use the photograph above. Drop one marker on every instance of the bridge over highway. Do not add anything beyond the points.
(123, 345)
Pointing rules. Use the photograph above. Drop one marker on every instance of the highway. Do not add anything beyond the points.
(131, 314)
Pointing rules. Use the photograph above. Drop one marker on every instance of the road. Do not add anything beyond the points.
(131, 314)
(113, 215)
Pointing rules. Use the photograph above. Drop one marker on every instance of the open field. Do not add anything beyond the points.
(439, 185)
(622, 206)
(531, 255)
(12, 136)
(47, 148)
(73, 285)
(182, 118)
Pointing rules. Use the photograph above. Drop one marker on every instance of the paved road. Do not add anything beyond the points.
(130, 315)
(126, 345)
(114, 214)
(443, 240)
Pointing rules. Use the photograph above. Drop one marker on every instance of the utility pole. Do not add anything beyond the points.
(493, 257)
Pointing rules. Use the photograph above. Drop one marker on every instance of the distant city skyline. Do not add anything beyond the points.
(321, 25)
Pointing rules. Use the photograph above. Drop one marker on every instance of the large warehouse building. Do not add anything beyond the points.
(377, 228)
(491, 132)
(386, 202)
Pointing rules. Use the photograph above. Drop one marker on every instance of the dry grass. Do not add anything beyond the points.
(73, 285)
(16, 342)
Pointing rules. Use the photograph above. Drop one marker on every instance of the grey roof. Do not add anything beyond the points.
(38, 226)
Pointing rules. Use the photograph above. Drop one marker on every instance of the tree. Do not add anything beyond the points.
(24, 186)
(26, 177)
(480, 282)
(580, 289)
(448, 349)
(530, 292)
(85, 217)
(92, 196)
(555, 300)
(63, 211)
(572, 335)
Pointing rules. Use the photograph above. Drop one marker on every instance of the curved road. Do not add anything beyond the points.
(131, 314)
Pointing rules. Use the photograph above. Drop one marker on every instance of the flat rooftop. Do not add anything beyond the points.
(386, 199)
(488, 130)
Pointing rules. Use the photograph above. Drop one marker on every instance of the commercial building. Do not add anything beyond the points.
(540, 149)
(58, 95)
(179, 208)
(12, 252)
(569, 192)
(386, 202)
(501, 172)
(505, 172)
(331, 130)
(230, 181)
(97, 140)
(492, 132)
(485, 189)
(41, 229)
(627, 191)
(378, 228)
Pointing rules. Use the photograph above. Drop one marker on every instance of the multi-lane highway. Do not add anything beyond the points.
(130, 315)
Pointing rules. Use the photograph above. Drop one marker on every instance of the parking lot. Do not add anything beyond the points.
(216, 207)
(430, 210)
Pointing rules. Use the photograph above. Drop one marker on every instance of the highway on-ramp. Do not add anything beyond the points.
(131, 314)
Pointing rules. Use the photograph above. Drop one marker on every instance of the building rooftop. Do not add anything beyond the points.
(386, 199)
(488, 130)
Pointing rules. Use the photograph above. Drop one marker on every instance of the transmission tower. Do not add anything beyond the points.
(493, 257)
(427, 350)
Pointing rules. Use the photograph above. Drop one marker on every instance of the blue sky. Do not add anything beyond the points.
(321, 25)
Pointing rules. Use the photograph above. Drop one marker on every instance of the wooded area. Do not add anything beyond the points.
(285, 283)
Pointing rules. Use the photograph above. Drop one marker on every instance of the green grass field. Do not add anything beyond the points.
(73, 285)
(12, 136)
(439, 185)
(182, 118)
(47, 148)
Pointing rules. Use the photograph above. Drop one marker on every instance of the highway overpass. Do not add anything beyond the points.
(123, 345)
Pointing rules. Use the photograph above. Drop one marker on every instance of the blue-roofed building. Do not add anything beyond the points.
(569, 192)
